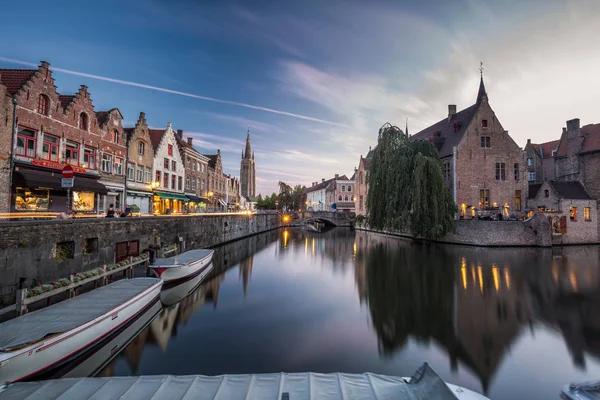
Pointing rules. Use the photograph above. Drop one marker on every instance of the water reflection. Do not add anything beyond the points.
(493, 320)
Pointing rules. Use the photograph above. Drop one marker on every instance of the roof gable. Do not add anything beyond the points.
(448, 131)
(15, 79)
(548, 149)
(573, 190)
(155, 137)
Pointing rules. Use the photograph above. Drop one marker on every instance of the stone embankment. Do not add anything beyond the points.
(534, 232)
(35, 252)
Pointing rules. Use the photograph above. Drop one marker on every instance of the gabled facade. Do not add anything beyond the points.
(362, 183)
(52, 130)
(483, 166)
(140, 164)
(217, 189)
(339, 194)
(169, 171)
(196, 173)
(113, 153)
(540, 161)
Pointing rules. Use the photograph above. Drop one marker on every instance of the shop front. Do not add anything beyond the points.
(114, 196)
(168, 202)
(196, 204)
(39, 190)
(141, 200)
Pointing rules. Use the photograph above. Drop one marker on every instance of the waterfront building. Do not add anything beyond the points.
(247, 171)
(316, 196)
(168, 171)
(216, 182)
(196, 166)
(570, 209)
(540, 161)
(140, 164)
(482, 165)
(362, 183)
(232, 195)
(53, 130)
(339, 194)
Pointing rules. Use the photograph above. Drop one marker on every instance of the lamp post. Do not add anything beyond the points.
(12, 150)
(154, 185)
(210, 196)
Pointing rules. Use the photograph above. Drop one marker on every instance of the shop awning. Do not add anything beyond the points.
(35, 178)
(222, 202)
(135, 193)
(171, 196)
(194, 199)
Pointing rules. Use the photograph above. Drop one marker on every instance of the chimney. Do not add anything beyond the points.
(322, 180)
(528, 141)
(190, 140)
(337, 176)
(573, 125)
(142, 115)
(180, 133)
(45, 64)
(564, 130)
(451, 110)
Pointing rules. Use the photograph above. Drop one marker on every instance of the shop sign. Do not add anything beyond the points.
(67, 182)
(55, 165)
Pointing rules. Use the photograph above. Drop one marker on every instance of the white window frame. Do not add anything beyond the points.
(107, 160)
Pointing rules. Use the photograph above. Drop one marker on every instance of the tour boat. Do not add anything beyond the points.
(35, 344)
(173, 295)
(182, 266)
(426, 384)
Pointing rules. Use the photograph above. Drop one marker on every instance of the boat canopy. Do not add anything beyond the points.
(69, 314)
(294, 386)
(182, 259)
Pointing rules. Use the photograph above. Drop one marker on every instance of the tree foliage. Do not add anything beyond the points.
(290, 198)
(407, 191)
(266, 203)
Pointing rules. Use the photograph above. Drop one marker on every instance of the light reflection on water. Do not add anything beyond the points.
(514, 323)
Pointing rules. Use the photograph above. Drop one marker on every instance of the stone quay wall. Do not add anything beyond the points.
(43, 251)
(534, 232)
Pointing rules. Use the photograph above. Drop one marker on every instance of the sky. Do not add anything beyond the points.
(315, 80)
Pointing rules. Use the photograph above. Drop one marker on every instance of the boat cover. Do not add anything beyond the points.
(185, 258)
(282, 386)
(69, 314)
(582, 391)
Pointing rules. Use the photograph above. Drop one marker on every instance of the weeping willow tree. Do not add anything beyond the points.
(407, 192)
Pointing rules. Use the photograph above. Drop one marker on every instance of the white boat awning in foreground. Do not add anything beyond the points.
(295, 386)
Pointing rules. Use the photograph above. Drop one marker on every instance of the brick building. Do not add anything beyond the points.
(196, 173)
(168, 171)
(216, 182)
(248, 171)
(362, 183)
(482, 165)
(140, 162)
(540, 161)
(53, 130)
(232, 196)
(569, 208)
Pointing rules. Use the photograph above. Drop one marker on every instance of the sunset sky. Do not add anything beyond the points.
(314, 80)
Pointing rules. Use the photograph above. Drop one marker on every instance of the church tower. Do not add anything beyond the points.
(247, 172)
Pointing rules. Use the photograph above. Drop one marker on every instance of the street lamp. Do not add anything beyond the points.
(210, 195)
(12, 150)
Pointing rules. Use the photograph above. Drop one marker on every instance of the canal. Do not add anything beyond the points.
(513, 323)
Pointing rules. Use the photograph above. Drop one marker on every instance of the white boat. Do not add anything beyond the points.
(182, 266)
(281, 386)
(581, 391)
(37, 343)
(174, 294)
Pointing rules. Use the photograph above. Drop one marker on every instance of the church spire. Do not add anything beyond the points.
(248, 152)
(406, 129)
(482, 93)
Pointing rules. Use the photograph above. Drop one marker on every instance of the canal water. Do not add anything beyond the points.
(513, 323)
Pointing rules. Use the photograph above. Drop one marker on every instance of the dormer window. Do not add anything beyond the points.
(484, 123)
(83, 121)
(43, 104)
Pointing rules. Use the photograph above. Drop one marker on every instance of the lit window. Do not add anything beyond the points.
(485, 142)
(573, 213)
(83, 121)
(484, 198)
(43, 104)
(141, 148)
(518, 200)
(26, 142)
(587, 213)
(106, 163)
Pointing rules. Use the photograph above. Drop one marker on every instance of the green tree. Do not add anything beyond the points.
(290, 198)
(407, 191)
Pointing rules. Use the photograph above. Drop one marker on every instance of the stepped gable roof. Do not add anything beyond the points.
(570, 190)
(212, 159)
(155, 137)
(65, 99)
(14, 79)
(533, 190)
(446, 128)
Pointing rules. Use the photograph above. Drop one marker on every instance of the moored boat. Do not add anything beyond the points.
(174, 294)
(182, 266)
(35, 344)
(426, 384)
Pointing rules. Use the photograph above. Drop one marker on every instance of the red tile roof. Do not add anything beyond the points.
(545, 149)
(14, 79)
(592, 137)
(155, 137)
(65, 100)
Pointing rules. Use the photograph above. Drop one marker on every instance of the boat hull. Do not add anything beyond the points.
(36, 360)
(180, 273)
(175, 292)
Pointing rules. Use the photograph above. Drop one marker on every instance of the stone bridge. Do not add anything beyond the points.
(328, 218)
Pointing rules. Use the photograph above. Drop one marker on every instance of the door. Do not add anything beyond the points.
(125, 250)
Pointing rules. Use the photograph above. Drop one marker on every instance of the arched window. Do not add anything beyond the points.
(349, 189)
(43, 104)
(83, 121)
(115, 136)
(141, 149)
(346, 198)
(340, 197)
